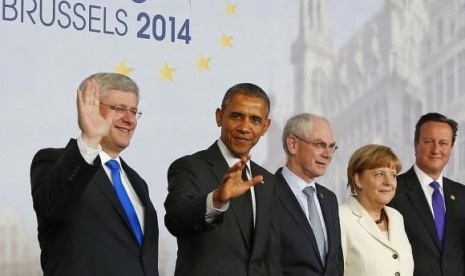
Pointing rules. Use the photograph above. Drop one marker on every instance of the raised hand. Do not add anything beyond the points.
(92, 124)
(233, 185)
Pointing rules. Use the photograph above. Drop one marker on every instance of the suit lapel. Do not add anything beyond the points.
(264, 200)
(328, 214)
(292, 206)
(219, 167)
(367, 223)
(450, 198)
(104, 184)
(102, 181)
(417, 197)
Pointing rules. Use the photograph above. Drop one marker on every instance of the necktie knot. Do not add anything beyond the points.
(435, 186)
(309, 191)
(113, 165)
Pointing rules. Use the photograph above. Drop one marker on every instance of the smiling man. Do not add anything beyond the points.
(93, 211)
(308, 212)
(220, 203)
(433, 206)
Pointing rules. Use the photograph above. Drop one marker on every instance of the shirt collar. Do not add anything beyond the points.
(229, 156)
(424, 179)
(104, 158)
(295, 182)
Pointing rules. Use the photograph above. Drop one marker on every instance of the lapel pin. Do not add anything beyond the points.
(321, 195)
(452, 197)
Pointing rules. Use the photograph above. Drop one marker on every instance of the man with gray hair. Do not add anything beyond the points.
(93, 211)
(307, 212)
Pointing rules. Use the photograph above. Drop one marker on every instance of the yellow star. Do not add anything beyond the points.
(230, 9)
(123, 69)
(226, 41)
(166, 72)
(203, 63)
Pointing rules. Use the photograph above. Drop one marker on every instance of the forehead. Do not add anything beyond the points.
(321, 129)
(438, 130)
(244, 103)
(120, 97)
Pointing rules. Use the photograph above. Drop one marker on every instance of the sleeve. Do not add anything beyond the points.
(185, 204)
(58, 177)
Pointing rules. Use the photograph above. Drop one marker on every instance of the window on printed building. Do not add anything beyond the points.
(450, 80)
(440, 31)
(439, 93)
(461, 71)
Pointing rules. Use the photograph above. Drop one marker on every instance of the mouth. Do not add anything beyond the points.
(123, 129)
(242, 140)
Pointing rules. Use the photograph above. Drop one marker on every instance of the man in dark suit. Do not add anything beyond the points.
(310, 233)
(438, 249)
(93, 220)
(221, 219)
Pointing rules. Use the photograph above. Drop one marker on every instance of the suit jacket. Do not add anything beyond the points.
(367, 250)
(222, 247)
(299, 250)
(82, 226)
(411, 202)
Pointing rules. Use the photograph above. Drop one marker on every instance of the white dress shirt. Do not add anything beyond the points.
(89, 154)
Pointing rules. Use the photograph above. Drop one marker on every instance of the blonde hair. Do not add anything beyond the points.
(370, 157)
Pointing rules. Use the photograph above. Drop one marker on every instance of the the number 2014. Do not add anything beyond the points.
(159, 28)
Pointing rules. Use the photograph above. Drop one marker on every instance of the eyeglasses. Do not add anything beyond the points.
(121, 110)
(319, 145)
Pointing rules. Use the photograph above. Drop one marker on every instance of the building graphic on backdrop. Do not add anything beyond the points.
(408, 59)
(18, 255)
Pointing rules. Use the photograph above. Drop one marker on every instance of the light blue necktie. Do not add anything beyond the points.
(315, 222)
(125, 201)
(439, 210)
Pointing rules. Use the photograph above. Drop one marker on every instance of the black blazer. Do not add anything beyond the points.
(300, 256)
(222, 247)
(419, 223)
(82, 226)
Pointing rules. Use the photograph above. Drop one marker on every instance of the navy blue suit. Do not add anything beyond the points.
(83, 229)
(224, 247)
(299, 250)
(419, 223)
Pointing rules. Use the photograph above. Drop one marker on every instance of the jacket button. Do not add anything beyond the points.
(394, 256)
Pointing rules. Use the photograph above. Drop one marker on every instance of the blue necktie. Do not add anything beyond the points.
(439, 210)
(315, 222)
(125, 201)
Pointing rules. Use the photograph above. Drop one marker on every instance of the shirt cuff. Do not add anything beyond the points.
(89, 154)
(212, 212)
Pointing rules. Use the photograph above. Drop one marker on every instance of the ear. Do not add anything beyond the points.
(219, 116)
(291, 143)
(266, 125)
(358, 182)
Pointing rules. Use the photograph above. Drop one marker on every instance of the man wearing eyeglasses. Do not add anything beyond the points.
(308, 212)
(93, 211)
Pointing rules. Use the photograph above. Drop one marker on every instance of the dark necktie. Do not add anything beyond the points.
(125, 201)
(315, 222)
(247, 201)
(439, 210)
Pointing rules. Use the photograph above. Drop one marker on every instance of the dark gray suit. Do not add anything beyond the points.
(223, 247)
(299, 251)
(419, 223)
(83, 229)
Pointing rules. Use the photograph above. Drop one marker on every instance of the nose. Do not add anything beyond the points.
(245, 125)
(436, 147)
(128, 116)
